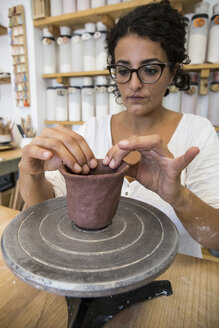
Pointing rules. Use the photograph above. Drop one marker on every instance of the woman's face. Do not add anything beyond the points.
(134, 51)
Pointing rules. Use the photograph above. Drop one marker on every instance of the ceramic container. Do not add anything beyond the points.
(94, 198)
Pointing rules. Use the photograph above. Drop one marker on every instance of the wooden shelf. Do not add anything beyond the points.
(79, 18)
(64, 122)
(200, 67)
(3, 30)
(217, 128)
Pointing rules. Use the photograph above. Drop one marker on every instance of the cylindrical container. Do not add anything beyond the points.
(213, 41)
(100, 51)
(114, 106)
(173, 100)
(189, 99)
(87, 99)
(101, 96)
(97, 3)
(64, 43)
(213, 111)
(188, 18)
(74, 103)
(112, 2)
(56, 7)
(61, 104)
(202, 105)
(83, 4)
(69, 6)
(77, 62)
(89, 49)
(201, 8)
(49, 52)
(198, 38)
(51, 103)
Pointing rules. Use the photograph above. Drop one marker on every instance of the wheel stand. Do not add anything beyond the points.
(95, 312)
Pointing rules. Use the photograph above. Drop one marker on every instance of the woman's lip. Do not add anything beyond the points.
(135, 97)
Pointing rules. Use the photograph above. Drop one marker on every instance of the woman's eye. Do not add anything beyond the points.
(150, 70)
(123, 71)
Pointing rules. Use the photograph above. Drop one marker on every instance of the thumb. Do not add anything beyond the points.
(184, 160)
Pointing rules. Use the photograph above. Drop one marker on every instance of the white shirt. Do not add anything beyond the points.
(201, 176)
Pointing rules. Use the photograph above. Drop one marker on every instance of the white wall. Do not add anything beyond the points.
(8, 107)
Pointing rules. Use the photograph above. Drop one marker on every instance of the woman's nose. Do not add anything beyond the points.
(134, 82)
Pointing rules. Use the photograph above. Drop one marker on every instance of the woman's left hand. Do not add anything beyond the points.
(157, 169)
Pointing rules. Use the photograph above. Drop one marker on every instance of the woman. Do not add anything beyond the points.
(177, 155)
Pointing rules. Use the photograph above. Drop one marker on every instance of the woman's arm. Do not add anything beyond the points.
(160, 172)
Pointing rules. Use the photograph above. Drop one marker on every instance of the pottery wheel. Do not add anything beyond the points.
(44, 249)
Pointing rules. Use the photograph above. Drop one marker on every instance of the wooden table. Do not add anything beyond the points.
(194, 303)
(9, 160)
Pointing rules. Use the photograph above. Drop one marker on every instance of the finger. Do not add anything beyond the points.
(90, 158)
(115, 156)
(183, 161)
(140, 143)
(33, 151)
(58, 148)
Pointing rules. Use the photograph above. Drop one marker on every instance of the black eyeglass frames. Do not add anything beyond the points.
(149, 73)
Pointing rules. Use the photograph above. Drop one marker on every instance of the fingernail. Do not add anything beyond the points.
(93, 163)
(46, 154)
(85, 169)
(112, 163)
(77, 167)
(123, 143)
(105, 160)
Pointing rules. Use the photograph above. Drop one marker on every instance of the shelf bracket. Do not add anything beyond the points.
(54, 30)
(63, 80)
(204, 76)
(107, 20)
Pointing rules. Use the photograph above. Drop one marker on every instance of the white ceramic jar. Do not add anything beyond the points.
(83, 4)
(56, 8)
(112, 2)
(100, 51)
(173, 100)
(97, 3)
(51, 103)
(213, 41)
(64, 43)
(213, 111)
(189, 99)
(61, 104)
(49, 52)
(69, 6)
(77, 62)
(74, 103)
(114, 106)
(101, 96)
(87, 99)
(198, 34)
(89, 49)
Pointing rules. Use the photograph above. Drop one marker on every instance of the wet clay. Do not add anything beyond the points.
(94, 198)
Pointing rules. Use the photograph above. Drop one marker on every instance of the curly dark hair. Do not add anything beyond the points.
(159, 22)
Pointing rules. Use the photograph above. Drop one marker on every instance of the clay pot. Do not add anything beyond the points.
(93, 199)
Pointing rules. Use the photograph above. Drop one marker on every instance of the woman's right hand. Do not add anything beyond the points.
(54, 147)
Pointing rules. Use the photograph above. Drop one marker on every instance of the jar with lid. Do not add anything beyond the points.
(49, 52)
(83, 4)
(213, 111)
(197, 45)
(97, 3)
(77, 62)
(115, 105)
(173, 100)
(87, 99)
(64, 43)
(74, 99)
(89, 52)
(69, 6)
(100, 51)
(189, 99)
(202, 105)
(51, 103)
(101, 96)
(61, 104)
(213, 41)
(56, 7)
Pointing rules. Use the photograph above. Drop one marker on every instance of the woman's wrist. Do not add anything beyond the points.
(181, 200)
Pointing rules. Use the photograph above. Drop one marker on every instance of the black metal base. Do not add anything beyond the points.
(95, 312)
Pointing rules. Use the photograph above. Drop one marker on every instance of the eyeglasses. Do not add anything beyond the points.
(148, 74)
